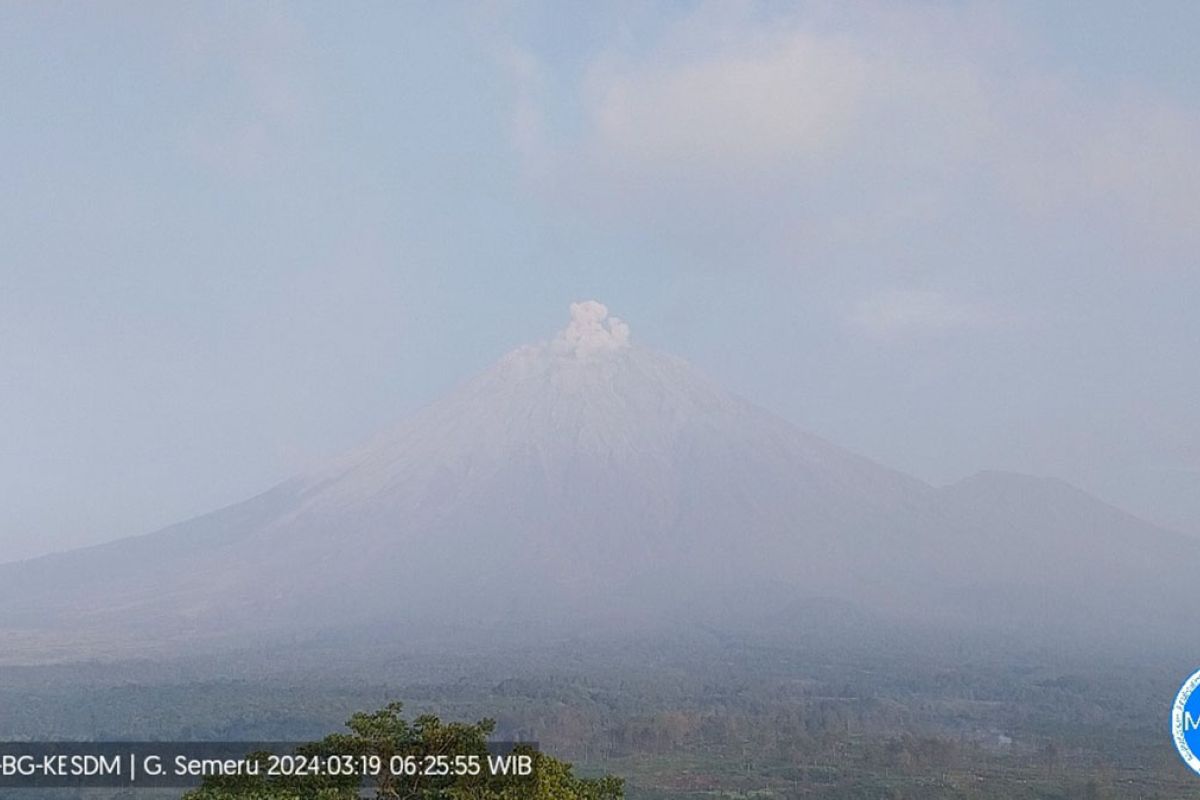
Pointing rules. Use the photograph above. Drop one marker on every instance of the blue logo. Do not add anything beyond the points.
(1185, 722)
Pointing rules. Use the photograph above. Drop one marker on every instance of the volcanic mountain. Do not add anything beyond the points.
(586, 481)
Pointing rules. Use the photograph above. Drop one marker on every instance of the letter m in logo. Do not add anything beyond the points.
(1190, 723)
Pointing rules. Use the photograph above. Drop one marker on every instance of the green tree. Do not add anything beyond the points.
(449, 761)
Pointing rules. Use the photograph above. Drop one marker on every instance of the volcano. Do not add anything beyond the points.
(589, 482)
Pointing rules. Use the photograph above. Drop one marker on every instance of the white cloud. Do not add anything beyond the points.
(1132, 161)
(527, 125)
(246, 126)
(769, 102)
(904, 313)
(855, 128)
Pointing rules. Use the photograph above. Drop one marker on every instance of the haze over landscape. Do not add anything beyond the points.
(587, 482)
(648, 574)
(789, 401)
(239, 240)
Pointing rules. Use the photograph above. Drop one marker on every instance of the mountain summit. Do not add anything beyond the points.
(589, 481)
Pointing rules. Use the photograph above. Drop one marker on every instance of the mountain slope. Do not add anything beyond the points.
(587, 481)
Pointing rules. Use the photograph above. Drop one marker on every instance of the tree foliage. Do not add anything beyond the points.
(386, 735)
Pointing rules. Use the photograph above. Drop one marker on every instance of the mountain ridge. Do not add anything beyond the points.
(587, 481)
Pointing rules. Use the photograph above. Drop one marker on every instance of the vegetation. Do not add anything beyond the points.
(689, 719)
(385, 736)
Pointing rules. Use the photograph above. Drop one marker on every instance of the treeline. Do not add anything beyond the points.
(449, 761)
(682, 720)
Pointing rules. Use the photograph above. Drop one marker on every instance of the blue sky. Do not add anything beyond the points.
(237, 238)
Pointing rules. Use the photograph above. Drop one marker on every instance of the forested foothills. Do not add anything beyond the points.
(702, 718)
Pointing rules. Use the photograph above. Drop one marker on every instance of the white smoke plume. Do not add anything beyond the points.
(591, 330)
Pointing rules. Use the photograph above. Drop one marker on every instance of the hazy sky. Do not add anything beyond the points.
(236, 238)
